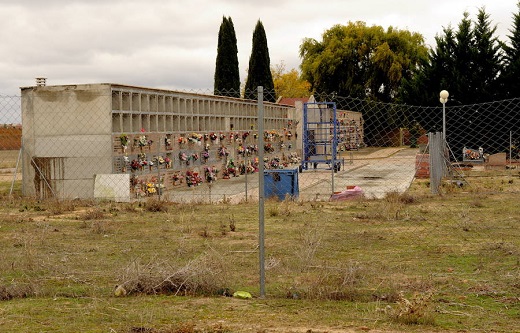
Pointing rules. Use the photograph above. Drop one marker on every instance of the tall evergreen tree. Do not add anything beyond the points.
(466, 62)
(259, 72)
(227, 76)
(488, 60)
(510, 84)
(462, 85)
(434, 74)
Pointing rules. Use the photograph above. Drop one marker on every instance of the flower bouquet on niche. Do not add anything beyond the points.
(182, 140)
(167, 162)
(183, 157)
(223, 152)
(177, 178)
(168, 142)
(150, 188)
(193, 178)
(142, 141)
(134, 165)
(210, 174)
(241, 150)
(231, 168)
(194, 138)
(123, 138)
(205, 156)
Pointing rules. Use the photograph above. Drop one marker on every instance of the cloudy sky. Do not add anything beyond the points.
(172, 44)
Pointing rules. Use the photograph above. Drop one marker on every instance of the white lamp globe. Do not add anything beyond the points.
(444, 95)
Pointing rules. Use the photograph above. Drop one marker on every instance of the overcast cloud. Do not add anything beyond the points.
(173, 44)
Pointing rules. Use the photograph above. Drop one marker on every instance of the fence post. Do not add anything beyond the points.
(261, 194)
(436, 144)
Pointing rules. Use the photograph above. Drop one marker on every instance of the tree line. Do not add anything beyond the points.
(396, 70)
(385, 65)
(396, 66)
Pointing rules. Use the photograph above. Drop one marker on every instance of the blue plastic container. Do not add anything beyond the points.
(281, 183)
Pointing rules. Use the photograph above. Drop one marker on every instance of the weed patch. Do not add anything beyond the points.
(204, 275)
(16, 291)
(414, 311)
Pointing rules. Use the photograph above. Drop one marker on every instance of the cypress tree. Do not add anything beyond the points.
(227, 76)
(509, 78)
(259, 73)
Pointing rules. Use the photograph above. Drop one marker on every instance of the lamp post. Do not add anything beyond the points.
(443, 99)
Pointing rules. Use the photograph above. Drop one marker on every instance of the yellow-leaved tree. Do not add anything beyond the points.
(289, 84)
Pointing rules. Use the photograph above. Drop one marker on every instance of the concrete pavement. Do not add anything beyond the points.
(376, 172)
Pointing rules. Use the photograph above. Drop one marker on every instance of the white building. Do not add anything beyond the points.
(71, 133)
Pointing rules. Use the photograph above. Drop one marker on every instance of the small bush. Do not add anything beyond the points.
(417, 310)
(332, 283)
(101, 227)
(204, 233)
(154, 205)
(92, 214)
(223, 229)
(232, 224)
(59, 207)
(273, 211)
(396, 197)
(204, 275)
(16, 291)
(185, 328)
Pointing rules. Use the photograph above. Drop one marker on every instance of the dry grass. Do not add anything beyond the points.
(204, 275)
(409, 261)
(418, 310)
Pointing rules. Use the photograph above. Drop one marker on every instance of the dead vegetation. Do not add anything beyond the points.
(440, 263)
(204, 275)
(8, 292)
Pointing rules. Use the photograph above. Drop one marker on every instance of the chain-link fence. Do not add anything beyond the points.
(10, 141)
(130, 143)
(124, 142)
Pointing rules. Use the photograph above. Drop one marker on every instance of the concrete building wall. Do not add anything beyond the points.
(72, 133)
(62, 124)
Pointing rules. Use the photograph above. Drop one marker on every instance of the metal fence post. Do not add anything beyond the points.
(436, 144)
(261, 189)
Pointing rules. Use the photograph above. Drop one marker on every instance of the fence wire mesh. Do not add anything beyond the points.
(94, 140)
(128, 143)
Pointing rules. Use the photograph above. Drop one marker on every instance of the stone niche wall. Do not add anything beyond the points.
(168, 140)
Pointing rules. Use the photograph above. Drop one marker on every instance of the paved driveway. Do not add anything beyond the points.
(389, 170)
(377, 173)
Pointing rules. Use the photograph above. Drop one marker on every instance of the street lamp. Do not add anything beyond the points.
(443, 99)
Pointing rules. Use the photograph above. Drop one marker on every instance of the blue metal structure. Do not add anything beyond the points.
(320, 136)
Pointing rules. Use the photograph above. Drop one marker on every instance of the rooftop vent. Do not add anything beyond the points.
(41, 81)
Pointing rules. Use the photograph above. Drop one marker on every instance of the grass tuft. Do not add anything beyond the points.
(414, 311)
(16, 291)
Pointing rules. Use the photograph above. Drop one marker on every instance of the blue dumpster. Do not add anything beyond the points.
(281, 183)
